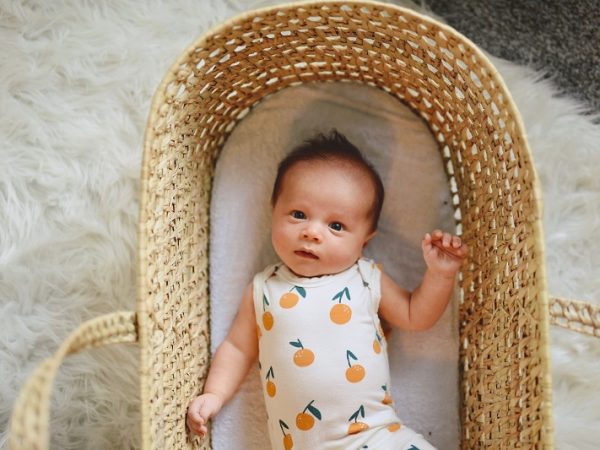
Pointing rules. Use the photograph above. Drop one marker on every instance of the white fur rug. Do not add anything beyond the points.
(77, 79)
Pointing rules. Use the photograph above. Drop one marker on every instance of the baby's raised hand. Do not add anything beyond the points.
(200, 410)
(443, 253)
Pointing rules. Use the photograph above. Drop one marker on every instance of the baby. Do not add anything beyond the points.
(313, 319)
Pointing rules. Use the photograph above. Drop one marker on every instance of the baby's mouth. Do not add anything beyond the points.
(306, 254)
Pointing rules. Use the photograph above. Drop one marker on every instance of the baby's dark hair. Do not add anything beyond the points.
(332, 147)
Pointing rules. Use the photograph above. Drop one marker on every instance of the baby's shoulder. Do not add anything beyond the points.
(370, 267)
(267, 272)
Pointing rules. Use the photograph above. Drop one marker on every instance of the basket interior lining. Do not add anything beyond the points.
(424, 382)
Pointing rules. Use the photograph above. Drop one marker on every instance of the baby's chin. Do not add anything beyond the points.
(314, 271)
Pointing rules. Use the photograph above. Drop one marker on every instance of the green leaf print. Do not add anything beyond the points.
(360, 411)
(297, 344)
(283, 425)
(350, 355)
(314, 411)
(340, 295)
(300, 291)
(270, 373)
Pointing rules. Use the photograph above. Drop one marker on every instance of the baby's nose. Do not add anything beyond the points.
(311, 233)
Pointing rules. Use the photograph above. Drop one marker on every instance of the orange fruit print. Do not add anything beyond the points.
(304, 420)
(356, 372)
(303, 357)
(267, 317)
(376, 346)
(290, 299)
(377, 343)
(355, 426)
(387, 398)
(341, 313)
(268, 320)
(288, 443)
(270, 386)
(393, 427)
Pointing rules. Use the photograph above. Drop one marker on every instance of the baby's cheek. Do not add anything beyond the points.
(277, 239)
(345, 255)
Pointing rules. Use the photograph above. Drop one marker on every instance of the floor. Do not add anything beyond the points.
(561, 38)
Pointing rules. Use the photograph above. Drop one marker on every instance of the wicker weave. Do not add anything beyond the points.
(443, 77)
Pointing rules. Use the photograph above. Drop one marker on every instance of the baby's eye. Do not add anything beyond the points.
(336, 226)
(298, 215)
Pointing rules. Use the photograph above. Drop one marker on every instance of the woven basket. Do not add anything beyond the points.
(443, 77)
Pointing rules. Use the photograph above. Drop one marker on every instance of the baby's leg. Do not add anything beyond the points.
(411, 440)
(393, 437)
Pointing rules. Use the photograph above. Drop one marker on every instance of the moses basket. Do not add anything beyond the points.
(504, 309)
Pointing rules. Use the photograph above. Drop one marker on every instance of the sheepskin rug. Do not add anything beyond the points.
(77, 79)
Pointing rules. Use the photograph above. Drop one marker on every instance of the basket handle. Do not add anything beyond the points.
(575, 315)
(30, 417)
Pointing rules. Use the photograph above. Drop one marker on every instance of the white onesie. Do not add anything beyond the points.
(323, 361)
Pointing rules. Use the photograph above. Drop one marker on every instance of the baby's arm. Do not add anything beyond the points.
(422, 308)
(229, 367)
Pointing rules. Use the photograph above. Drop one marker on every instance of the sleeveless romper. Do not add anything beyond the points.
(323, 361)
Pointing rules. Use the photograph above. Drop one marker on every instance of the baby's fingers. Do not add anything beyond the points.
(426, 243)
(196, 426)
(193, 412)
(456, 242)
(195, 419)
(441, 239)
(437, 235)
(455, 248)
(444, 240)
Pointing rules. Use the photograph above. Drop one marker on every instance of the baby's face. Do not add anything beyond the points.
(321, 220)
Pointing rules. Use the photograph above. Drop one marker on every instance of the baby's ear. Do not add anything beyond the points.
(369, 237)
